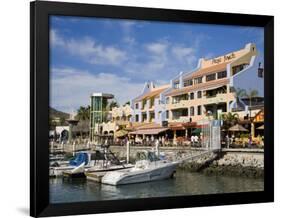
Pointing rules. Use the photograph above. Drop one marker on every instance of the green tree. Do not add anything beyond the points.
(62, 121)
(250, 95)
(239, 93)
(113, 104)
(83, 113)
(229, 120)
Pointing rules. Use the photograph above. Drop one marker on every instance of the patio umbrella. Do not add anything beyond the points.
(261, 127)
(238, 128)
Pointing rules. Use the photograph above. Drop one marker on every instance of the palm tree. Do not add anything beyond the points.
(83, 113)
(229, 119)
(239, 93)
(250, 95)
(113, 104)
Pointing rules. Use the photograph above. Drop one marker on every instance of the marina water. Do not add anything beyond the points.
(184, 183)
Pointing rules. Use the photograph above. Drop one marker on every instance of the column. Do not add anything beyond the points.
(252, 130)
(175, 137)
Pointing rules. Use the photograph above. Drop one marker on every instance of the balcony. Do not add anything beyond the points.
(180, 104)
(144, 107)
(223, 97)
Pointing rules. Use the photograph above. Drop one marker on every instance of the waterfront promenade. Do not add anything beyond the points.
(247, 162)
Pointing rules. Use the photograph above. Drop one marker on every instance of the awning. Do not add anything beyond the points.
(177, 128)
(182, 125)
(149, 131)
(121, 133)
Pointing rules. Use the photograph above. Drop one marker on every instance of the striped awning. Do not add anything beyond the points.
(149, 131)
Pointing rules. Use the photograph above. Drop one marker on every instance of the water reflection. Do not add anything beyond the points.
(75, 190)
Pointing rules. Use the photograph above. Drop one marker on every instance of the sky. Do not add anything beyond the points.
(118, 56)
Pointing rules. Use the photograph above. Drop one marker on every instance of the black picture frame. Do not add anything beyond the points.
(39, 107)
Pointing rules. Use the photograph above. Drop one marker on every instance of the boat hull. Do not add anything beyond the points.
(130, 177)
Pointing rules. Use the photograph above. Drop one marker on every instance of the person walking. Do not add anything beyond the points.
(192, 140)
(157, 147)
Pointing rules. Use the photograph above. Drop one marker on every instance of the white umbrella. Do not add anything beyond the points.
(238, 128)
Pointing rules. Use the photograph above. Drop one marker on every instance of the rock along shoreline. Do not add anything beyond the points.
(244, 164)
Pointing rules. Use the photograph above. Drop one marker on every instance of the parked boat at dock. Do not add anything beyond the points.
(100, 160)
(150, 169)
(57, 168)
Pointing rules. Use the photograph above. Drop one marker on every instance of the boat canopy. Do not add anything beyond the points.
(79, 159)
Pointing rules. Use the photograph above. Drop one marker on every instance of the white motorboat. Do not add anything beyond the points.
(101, 160)
(150, 169)
(81, 161)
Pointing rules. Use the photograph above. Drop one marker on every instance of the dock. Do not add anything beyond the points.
(95, 176)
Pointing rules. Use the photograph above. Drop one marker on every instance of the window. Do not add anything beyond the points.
(144, 104)
(176, 85)
(221, 74)
(137, 105)
(199, 94)
(191, 95)
(199, 112)
(97, 103)
(210, 77)
(231, 89)
(159, 114)
(151, 102)
(144, 117)
(137, 118)
(238, 68)
(167, 100)
(198, 80)
(191, 111)
(185, 112)
(188, 82)
(260, 71)
(167, 114)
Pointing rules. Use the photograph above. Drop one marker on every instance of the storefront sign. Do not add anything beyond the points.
(223, 58)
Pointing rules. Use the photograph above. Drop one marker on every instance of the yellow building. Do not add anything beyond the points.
(205, 92)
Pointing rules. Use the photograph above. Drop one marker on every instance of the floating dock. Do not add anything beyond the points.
(95, 176)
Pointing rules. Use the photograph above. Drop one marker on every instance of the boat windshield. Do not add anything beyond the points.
(152, 156)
